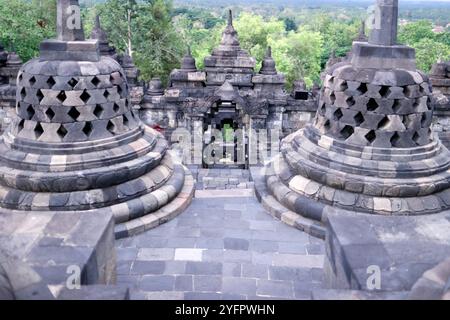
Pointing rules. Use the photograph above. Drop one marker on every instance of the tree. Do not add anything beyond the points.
(145, 31)
(430, 47)
(254, 33)
(429, 51)
(23, 25)
(119, 18)
(298, 55)
(412, 33)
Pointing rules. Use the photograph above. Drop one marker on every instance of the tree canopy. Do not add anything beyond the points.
(157, 35)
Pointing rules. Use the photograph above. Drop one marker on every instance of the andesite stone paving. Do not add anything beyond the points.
(221, 248)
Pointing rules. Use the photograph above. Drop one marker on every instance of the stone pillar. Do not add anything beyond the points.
(384, 28)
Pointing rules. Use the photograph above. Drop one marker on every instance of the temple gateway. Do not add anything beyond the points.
(227, 95)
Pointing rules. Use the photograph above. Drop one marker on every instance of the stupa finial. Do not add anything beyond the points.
(230, 17)
(68, 21)
(384, 29)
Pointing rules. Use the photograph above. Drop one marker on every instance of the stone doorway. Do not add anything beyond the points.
(225, 142)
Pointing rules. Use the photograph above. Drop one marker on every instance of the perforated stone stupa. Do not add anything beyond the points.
(10, 64)
(77, 146)
(370, 148)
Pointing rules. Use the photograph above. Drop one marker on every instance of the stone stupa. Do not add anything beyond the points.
(370, 148)
(76, 145)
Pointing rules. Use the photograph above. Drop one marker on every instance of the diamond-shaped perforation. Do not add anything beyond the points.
(125, 120)
(323, 109)
(429, 104)
(396, 106)
(85, 96)
(106, 94)
(38, 131)
(73, 113)
(337, 114)
(30, 112)
(51, 82)
(87, 129)
(395, 139)
(23, 93)
(383, 122)
(95, 81)
(370, 136)
(39, 95)
(61, 96)
(50, 114)
(116, 107)
(372, 105)
(327, 125)
(416, 137)
(359, 118)
(98, 111)
(384, 90)
(346, 131)
(32, 81)
(423, 120)
(110, 127)
(72, 82)
(362, 88)
(62, 132)
(332, 97)
(350, 101)
(20, 125)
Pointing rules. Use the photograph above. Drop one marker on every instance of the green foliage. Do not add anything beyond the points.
(298, 55)
(430, 47)
(429, 51)
(157, 35)
(254, 33)
(24, 24)
(143, 29)
(414, 32)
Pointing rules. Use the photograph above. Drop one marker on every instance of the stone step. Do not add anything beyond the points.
(276, 209)
(164, 214)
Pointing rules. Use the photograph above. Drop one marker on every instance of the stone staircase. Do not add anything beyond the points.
(221, 179)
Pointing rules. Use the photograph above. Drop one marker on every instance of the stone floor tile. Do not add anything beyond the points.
(231, 269)
(203, 268)
(237, 256)
(270, 288)
(184, 283)
(188, 254)
(299, 261)
(209, 243)
(181, 242)
(157, 283)
(258, 271)
(263, 246)
(152, 254)
(148, 267)
(235, 244)
(207, 283)
(239, 286)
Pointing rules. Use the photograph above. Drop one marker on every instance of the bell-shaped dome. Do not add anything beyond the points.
(268, 64)
(188, 62)
(155, 87)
